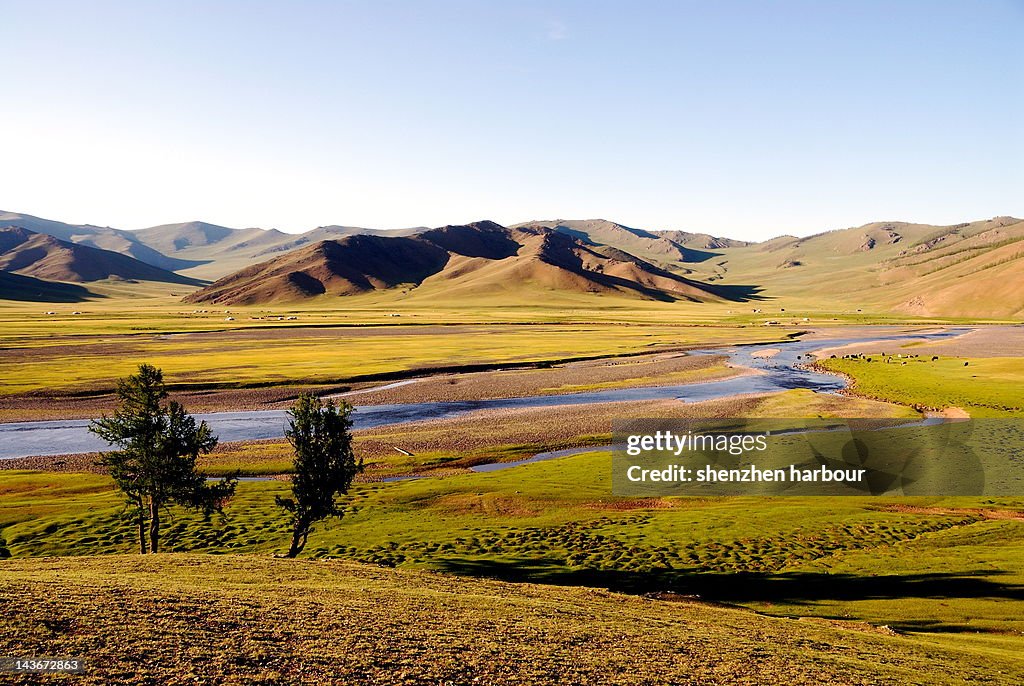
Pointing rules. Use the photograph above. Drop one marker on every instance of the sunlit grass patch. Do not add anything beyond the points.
(984, 387)
(253, 619)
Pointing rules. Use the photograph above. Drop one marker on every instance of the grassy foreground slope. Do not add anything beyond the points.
(201, 619)
(946, 567)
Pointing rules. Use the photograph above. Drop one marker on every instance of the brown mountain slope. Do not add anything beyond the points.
(972, 269)
(467, 260)
(209, 251)
(702, 241)
(964, 270)
(552, 261)
(667, 249)
(170, 239)
(195, 249)
(102, 237)
(352, 265)
(44, 257)
(247, 247)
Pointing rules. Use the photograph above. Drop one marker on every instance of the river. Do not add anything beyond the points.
(777, 373)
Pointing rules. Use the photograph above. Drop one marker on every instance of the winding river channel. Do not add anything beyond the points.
(776, 373)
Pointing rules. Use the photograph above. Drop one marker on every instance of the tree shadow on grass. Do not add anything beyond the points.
(934, 626)
(794, 588)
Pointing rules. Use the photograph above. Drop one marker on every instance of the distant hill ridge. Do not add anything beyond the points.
(42, 256)
(478, 258)
(966, 269)
(208, 251)
(971, 269)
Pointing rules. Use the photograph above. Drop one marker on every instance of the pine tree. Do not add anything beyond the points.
(320, 434)
(159, 443)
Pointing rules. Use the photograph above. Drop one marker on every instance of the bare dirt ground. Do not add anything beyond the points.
(27, 407)
(645, 370)
(988, 341)
(994, 341)
(866, 331)
(564, 426)
(949, 413)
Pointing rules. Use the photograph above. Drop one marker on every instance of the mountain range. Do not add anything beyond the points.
(45, 257)
(194, 249)
(968, 269)
(476, 259)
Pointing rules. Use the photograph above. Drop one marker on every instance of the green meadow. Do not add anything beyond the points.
(266, 357)
(932, 566)
(983, 387)
(832, 590)
(250, 346)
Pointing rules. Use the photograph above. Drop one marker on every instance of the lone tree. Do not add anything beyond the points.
(159, 445)
(325, 465)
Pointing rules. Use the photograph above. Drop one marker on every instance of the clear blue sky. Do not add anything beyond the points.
(749, 119)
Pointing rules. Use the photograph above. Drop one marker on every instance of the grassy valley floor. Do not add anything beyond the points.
(948, 572)
(433, 580)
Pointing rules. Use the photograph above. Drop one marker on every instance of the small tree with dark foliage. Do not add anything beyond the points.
(325, 465)
(159, 445)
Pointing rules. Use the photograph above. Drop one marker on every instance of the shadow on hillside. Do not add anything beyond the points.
(794, 588)
(171, 264)
(695, 256)
(30, 289)
(740, 293)
(688, 255)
